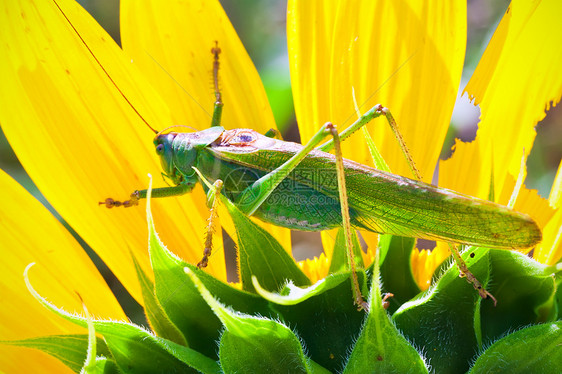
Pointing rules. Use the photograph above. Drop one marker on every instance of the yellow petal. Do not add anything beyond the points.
(372, 241)
(528, 201)
(550, 250)
(514, 83)
(516, 80)
(315, 268)
(394, 53)
(71, 106)
(31, 234)
(171, 44)
(467, 171)
(555, 197)
(22, 360)
(424, 262)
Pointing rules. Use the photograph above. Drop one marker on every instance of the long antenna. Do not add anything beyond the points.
(103, 69)
(177, 83)
(171, 127)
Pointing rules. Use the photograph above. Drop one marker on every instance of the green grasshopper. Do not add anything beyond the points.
(278, 182)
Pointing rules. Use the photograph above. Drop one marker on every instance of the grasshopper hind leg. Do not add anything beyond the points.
(465, 273)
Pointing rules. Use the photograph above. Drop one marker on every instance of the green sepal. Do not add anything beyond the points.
(103, 365)
(445, 320)
(323, 314)
(339, 255)
(526, 294)
(557, 280)
(376, 156)
(136, 350)
(183, 304)
(328, 321)
(155, 314)
(452, 322)
(251, 344)
(292, 295)
(384, 246)
(261, 255)
(91, 365)
(381, 348)
(254, 345)
(534, 349)
(396, 269)
(71, 350)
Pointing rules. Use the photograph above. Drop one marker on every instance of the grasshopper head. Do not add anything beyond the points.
(164, 149)
(178, 152)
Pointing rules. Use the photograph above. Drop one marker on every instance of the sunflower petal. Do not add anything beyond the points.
(469, 171)
(74, 109)
(528, 201)
(516, 80)
(31, 234)
(424, 262)
(172, 44)
(550, 250)
(394, 53)
(555, 197)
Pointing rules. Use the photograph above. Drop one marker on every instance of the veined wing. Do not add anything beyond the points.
(387, 203)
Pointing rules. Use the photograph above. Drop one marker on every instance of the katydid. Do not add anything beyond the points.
(296, 186)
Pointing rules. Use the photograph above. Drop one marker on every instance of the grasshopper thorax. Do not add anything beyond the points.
(178, 151)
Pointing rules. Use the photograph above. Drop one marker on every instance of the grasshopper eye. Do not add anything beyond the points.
(160, 149)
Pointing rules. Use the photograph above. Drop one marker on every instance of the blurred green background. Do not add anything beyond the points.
(261, 26)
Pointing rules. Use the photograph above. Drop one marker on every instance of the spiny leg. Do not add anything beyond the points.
(377, 111)
(464, 272)
(385, 297)
(214, 190)
(110, 203)
(373, 113)
(346, 220)
(253, 196)
(217, 112)
(212, 202)
(178, 190)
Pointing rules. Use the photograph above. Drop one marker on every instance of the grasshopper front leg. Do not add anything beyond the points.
(180, 189)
